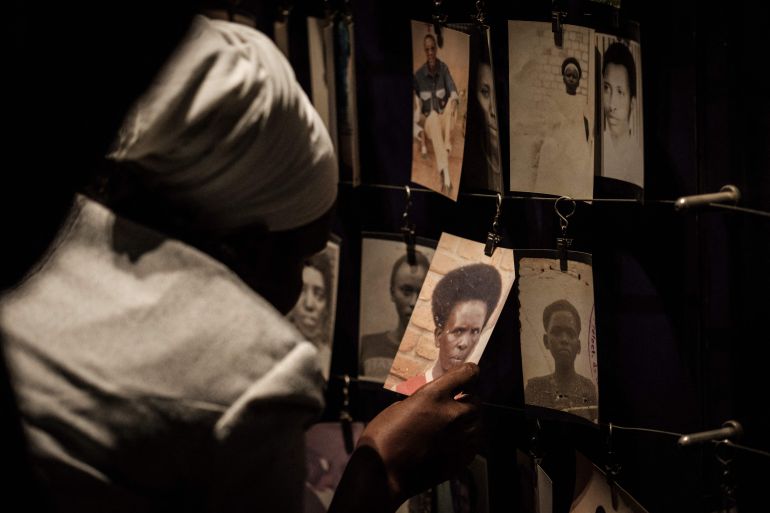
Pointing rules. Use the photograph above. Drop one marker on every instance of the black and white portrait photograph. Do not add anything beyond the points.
(390, 285)
(558, 336)
(551, 93)
(621, 109)
(593, 493)
(313, 315)
(320, 40)
(325, 460)
(440, 84)
(347, 106)
(481, 161)
(457, 309)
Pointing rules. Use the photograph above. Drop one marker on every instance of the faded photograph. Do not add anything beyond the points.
(389, 288)
(558, 336)
(456, 311)
(347, 107)
(481, 161)
(621, 109)
(551, 93)
(320, 40)
(313, 315)
(594, 494)
(325, 460)
(440, 85)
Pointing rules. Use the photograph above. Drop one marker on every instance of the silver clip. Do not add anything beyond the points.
(346, 420)
(558, 14)
(563, 243)
(408, 229)
(481, 15)
(493, 238)
(612, 467)
(439, 18)
(727, 194)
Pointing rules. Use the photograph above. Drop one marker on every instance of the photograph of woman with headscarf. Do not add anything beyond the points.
(314, 313)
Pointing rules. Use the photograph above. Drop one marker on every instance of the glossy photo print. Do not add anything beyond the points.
(440, 99)
(313, 315)
(481, 162)
(594, 494)
(622, 125)
(551, 110)
(390, 285)
(558, 335)
(456, 311)
(325, 459)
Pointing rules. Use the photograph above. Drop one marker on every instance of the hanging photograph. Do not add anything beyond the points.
(313, 315)
(593, 491)
(457, 309)
(467, 492)
(481, 160)
(326, 456)
(535, 486)
(320, 40)
(389, 288)
(347, 113)
(558, 336)
(440, 83)
(551, 113)
(621, 109)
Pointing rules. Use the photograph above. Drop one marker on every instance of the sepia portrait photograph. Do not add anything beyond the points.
(551, 114)
(313, 315)
(440, 87)
(558, 335)
(457, 309)
(621, 109)
(593, 492)
(325, 460)
(390, 284)
(320, 41)
(481, 161)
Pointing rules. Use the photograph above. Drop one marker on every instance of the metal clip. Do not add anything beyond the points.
(481, 16)
(346, 420)
(493, 238)
(439, 18)
(727, 194)
(563, 243)
(613, 468)
(535, 446)
(284, 11)
(407, 229)
(558, 14)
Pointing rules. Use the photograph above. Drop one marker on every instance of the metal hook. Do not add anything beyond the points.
(481, 15)
(493, 238)
(346, 420)
(563, 219)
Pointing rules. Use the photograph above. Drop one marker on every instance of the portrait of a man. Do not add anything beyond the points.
(313, 314)
(456, 311)
(622, 133)
(440, 86)
(558, 341)
(378, 349)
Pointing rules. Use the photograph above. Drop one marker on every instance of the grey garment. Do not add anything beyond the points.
(544, 391)
(433, 89)
(149, 375)
(377, 353)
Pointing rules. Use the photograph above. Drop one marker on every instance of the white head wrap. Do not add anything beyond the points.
(227, 133)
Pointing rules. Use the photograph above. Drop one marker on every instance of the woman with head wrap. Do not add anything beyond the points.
(150, 375)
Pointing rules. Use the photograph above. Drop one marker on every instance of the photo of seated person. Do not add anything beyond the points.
(462, 303)
(564, 389)
(378, 349)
